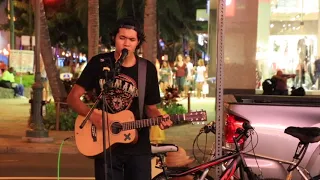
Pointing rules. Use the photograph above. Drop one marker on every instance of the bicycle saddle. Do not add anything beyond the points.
(304, 134)
(163, 148)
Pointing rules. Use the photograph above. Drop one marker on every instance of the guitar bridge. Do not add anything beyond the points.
(94, 133)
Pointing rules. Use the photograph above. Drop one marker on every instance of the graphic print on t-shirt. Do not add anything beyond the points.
(121, 94)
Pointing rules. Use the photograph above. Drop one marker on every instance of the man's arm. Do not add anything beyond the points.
(153, 111)
(282, 78)
(81, 108)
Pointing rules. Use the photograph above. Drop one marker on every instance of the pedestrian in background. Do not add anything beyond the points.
(180, 73)
(188, 86)
(200, 76)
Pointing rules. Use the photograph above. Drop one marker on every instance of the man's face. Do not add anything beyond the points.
(126, 38)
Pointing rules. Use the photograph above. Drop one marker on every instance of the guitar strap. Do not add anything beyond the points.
(142, 72)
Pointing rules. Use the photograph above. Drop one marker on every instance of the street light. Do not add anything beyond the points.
(12, 37)
(37, 131)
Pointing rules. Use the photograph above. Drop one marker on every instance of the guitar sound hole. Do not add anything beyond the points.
(116, 128)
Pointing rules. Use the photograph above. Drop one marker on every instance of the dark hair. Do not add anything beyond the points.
(129, 23)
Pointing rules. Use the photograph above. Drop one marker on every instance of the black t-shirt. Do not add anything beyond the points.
(123, 94)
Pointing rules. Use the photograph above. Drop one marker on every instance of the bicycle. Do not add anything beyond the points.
(234, 160)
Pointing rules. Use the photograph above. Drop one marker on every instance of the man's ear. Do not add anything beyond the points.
(138, 43)
(113, 43)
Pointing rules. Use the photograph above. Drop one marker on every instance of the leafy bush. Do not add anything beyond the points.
(67, 118)
(169, 103)
(175, 109)
(27, 80)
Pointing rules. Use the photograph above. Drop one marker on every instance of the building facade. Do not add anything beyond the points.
(264, 36)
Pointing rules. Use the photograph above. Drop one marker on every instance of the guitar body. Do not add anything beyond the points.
(120, 128)
(89, 139)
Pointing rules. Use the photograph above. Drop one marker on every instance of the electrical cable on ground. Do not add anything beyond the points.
(59, 155)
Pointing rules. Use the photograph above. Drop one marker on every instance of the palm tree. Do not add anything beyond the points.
(58, 91)
(93, 27)
(150, 48)
(177, 19)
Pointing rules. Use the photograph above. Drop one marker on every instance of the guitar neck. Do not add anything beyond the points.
(150, 122)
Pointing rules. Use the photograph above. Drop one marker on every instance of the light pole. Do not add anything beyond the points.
(30, 23)
(37, 131)
(12, 37)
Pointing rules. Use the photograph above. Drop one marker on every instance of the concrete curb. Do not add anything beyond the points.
(33, 149)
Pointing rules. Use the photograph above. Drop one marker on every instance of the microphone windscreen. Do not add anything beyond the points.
(124, 52)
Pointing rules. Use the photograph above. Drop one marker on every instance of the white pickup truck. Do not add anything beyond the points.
(270, 116)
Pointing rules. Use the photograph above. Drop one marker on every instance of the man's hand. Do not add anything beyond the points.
(96, 119)
(166, 122)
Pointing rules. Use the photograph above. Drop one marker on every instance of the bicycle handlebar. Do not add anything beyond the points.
(210, 127)
(246, 126)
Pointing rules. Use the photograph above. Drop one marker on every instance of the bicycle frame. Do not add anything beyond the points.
(236, 159)
(302, 171)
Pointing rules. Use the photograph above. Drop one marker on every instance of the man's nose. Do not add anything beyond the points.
(126, 42)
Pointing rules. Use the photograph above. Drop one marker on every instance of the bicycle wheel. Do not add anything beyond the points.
(316, 177)
(195, 177)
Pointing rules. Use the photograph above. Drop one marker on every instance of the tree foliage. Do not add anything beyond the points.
(67, 20)
(21, 18)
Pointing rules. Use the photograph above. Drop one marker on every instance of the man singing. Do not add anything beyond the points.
(129, 161)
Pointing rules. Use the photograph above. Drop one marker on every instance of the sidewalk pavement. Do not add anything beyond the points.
(14, 115)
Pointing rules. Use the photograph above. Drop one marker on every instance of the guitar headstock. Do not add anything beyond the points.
(196, 116)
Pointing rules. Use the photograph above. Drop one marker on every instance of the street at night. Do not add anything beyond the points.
(44, 166)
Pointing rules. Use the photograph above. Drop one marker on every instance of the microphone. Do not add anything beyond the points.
(124, 54)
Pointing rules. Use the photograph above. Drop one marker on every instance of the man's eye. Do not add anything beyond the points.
(132, 39)
(122, 38)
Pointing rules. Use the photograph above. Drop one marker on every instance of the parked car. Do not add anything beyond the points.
(270, 115)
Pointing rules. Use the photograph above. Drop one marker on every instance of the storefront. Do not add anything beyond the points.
(288, 39)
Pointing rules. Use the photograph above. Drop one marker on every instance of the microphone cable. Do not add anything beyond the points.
(59, 156)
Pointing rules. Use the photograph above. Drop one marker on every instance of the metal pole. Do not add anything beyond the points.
(219, 83)
(30, 24)
(189, 105)
(12, 37)
(37, 130)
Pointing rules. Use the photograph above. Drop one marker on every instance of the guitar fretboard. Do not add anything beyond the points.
(151, 122)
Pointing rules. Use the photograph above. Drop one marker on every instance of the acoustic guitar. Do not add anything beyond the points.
(121, 128)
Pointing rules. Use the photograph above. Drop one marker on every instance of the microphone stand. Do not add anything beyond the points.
(105, 88)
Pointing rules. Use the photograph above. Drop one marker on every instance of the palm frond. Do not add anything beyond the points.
(120, 9)
(81, 8)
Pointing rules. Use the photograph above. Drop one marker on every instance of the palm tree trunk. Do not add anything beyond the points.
(93, 28)
(57, 88)
(150, 29)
